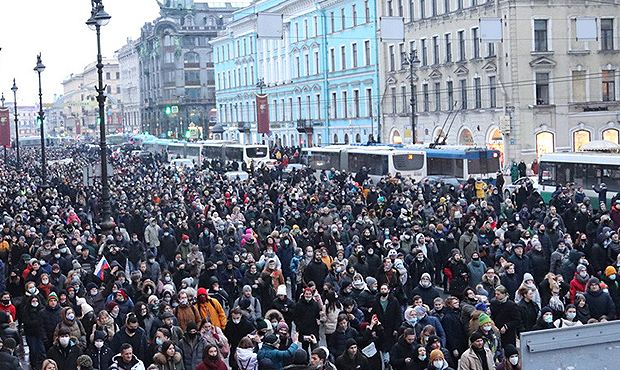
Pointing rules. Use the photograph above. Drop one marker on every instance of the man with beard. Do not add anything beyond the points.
(306, 315)
(388, 312)
(316, 271)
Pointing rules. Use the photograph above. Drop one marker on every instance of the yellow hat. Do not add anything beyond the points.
(610, 270)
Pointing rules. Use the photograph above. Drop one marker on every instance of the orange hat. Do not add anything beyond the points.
(610, 270)
(436, 354)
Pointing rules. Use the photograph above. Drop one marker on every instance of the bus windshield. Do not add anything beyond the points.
(445, 166)
(408, 162)
(256, 152)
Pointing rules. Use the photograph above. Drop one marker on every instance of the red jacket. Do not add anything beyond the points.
(576, 287)
(208, 364)
(10, 309)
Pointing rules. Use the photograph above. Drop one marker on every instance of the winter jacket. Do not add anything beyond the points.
(164, 363)
(138, 341)
(76, 330)
(508, 314)
(577, 285)
(276, 356)
(186, 314)
(400, 351)
(102, 358)
(192, 351)
(456, 335)
(212, 309)
(390, 319)
(337, 341)
(50, 318)
(476, 271)
(600, 304)
(470, 361)
(431, 320)
(358, 362)
(134, 364)
(305, 316)
(529, 314)
(428, 294)
(66, 358)
(246, 359)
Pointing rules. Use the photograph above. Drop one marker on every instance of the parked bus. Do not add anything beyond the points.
(379, 160)
(35, 141)
(462, 161)
(229, 151)
(582, 169)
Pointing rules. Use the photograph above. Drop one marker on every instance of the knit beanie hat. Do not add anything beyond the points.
(475, 336)
(85, 362)
(484, 319)
(51, 296)
(510, 350)
(436, 354)
(610, 270)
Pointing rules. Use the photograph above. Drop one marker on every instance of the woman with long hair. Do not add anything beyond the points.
(245, 356)
(330, 312)
(168, 358)
(211, 359)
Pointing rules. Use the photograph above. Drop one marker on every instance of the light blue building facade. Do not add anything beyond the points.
(321, 78)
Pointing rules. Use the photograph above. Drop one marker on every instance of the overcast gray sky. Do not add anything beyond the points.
(57, 29)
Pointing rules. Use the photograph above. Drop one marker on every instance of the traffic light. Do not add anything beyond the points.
(168, 110)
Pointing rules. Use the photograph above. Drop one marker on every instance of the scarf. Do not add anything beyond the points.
(482, 355)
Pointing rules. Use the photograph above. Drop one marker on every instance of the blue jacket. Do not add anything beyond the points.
(277, 356)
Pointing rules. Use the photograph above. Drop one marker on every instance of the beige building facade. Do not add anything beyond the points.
(539, 89)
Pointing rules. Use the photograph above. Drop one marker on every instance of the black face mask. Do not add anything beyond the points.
(132, 330)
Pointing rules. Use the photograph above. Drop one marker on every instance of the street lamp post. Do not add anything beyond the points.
(40, 67)
(99, 18)
(3, 100)
(411, 60)
(14, 89)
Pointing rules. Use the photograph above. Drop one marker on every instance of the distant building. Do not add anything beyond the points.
(129, 67)
(176, 66)
(537, 91)
(321, 78)
(27, 116)
(79, 100)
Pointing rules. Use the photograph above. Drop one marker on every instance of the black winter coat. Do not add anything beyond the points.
(400, 351)
(102, 358)
(390, 318)
(65, 358)
(529, 314)
(456, 334)
(305, 316)
(507, 314)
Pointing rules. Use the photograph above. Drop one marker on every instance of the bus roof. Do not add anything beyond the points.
(582, 157)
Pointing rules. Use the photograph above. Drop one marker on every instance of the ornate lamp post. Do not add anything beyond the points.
(40, 67)
(14, 89)
(411, 60)
(99, 18)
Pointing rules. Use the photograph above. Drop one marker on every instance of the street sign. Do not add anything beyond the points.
(175, 109)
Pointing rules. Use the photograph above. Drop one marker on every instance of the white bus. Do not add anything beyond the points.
(227, 151)
(185, 150)
(582, 169)
(379, 161)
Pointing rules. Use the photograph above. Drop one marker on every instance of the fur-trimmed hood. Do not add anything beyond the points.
(161, 359)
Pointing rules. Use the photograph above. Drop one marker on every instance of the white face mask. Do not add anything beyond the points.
(514, 360)
(422, 357)
(236, 321)
(571, 315)
(64, 341)
(487, 327)
(438, 364)
(98, 344)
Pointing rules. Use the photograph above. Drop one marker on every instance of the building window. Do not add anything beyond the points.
(579, 86)
(425, 97)
(307, 64)
(477, 93)
(540, 35)
(609, 85)
(450, 89)
(459, 4)
(343, 23)
(411, 10)
(400, 8)
(476, 42)
(367, 11)
(369, 102)
(318, 106)
(403, 99)
(437, 96)
(448, 41)
(434, 8)
(490, 49)
(108, 76)
(607, 34)
(317, 64)
(354, 14)
(332, 22)
(463, 84)
(306, 32)
(290, 109)
(393, 97)
(401, 53)
(392, 58)
(422, 9)
(334, 105)
(345, 105)
(446, 6)
(580, 138)
(612, 135)
(296, 33)
(492, 92)
(354, 54)
(316, 25)
(435, 50)
(390, 12)
(343, 58)
(297, 67)
(461, 46)
(542, 88)
(332, 60)
(356, 103)
(424, 53)
(367, 53)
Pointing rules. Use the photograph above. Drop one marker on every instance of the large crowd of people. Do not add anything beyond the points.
(306, 271)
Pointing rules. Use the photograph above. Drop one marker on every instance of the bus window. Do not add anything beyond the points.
(547, 173)
(376, 164)
(256, 152)
(324, 161)
(611, 177)
(564, 172)
(193, 151)
(408, 162)
(234, 154)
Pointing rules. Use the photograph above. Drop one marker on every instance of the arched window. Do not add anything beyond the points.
(191, 58)
(544, 143)
(396, 138)
(335, 138)
(611, 134)
(346, 138)
(466, 137)
(293, 143)
(580, 138)
(358, 138)
(496, 142)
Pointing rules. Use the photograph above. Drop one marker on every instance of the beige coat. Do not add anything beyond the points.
(470, 361)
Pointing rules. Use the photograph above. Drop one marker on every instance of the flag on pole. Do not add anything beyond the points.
(102, 265)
